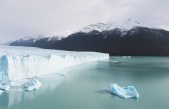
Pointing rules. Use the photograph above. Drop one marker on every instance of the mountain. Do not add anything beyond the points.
(30, 41)
(126, 25)
(133, 39)
(26, 41)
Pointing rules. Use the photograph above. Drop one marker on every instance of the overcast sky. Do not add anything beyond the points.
(22, 17)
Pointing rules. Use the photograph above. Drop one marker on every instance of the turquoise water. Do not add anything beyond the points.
(82, 86)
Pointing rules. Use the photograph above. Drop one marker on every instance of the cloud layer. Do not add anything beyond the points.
(21, 17)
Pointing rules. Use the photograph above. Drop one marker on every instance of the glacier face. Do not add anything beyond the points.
(18, 63)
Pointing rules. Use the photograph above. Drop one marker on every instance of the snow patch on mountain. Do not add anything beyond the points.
(123, 26)
(30, 39)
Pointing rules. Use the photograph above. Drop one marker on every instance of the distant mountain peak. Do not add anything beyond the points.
(26, 38)
(123, 26)
(54, 38)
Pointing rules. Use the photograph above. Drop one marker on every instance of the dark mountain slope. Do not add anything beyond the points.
(140, 41)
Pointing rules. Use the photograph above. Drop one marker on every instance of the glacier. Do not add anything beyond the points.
(18, 63)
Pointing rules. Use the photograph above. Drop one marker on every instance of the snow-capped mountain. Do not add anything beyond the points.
(30, 41)
(121, 28)
(54, 38)
(130, 38)
(125, 26)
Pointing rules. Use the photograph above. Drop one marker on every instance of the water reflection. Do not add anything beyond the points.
(15, 96)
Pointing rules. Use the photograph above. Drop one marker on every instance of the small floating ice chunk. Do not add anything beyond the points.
(126, 57)
(5, 86)
(115, 62)
(32, 84)
(124, 92)
(1, 91)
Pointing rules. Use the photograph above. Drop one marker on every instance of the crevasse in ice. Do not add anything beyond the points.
(18, 63)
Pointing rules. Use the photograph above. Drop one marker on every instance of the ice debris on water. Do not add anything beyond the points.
(5, 86)
(32, 84)
(1, 91)
(124, 92)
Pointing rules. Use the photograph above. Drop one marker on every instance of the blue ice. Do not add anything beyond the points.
(124, 92)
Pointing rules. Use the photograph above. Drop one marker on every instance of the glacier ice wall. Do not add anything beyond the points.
(18, 63)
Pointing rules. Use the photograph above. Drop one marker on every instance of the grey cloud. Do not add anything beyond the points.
(20, 17)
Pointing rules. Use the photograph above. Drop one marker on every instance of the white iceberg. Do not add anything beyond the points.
(5, 86)
(124, 92)
(1, 91)
(32, 84)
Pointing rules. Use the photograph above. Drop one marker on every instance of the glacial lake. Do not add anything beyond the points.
(81, 87)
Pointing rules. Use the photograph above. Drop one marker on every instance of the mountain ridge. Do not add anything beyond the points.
(136, 41)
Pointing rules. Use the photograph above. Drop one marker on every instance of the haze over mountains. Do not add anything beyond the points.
(130, 38)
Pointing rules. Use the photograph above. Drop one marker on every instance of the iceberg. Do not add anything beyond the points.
(1, 91)
(18, 63)
(32, 84)
(124, 92)
(5, 86)
(16, 95)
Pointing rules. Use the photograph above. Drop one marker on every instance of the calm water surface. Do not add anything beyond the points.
(82, 86)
